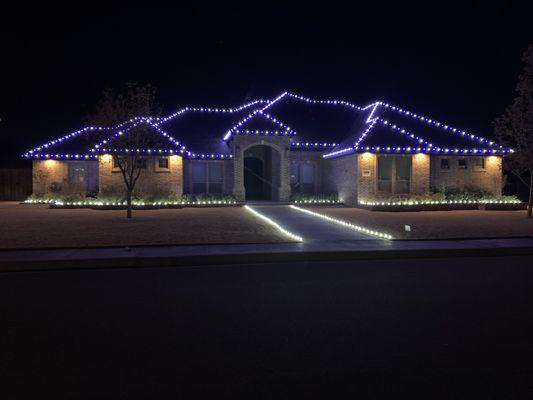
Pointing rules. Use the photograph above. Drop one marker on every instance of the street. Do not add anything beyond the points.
(444, 328)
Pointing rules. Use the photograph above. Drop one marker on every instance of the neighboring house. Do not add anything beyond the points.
(270, 149)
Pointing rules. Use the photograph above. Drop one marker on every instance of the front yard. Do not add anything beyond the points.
(37, 226)
(438, 224)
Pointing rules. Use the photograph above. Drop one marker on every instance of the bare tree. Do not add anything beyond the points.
(114, 108)
(515, 128)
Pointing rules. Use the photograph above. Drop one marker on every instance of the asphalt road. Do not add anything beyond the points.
(441, 328)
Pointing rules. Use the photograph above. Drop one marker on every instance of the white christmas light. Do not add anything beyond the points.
(358, 228)
(275, 224)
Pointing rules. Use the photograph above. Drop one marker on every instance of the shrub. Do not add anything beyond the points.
(187, 198)
(215, 198)
(474, 195)
(314, 197)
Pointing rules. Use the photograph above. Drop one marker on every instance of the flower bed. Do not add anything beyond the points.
(316, 200)
(453, 199)
(139, 205)
(444, 205)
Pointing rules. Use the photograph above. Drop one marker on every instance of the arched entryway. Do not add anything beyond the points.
(262, 172)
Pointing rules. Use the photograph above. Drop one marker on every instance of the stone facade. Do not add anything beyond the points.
(64, 177)
(472, 175)
(152, 182)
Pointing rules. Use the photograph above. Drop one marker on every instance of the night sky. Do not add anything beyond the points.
(456, 64)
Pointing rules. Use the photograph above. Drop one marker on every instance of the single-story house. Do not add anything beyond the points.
(270, 149)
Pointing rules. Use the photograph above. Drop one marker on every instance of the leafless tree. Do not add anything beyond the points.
(515, 128)
(117, 107)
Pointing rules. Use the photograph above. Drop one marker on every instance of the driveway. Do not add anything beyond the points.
(311, 228)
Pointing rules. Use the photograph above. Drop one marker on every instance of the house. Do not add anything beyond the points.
(272, 149)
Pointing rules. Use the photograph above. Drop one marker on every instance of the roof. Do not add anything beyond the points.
(336, 126)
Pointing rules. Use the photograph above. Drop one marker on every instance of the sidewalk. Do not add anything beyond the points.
(25, 260)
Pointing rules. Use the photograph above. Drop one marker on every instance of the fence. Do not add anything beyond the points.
(15, 183)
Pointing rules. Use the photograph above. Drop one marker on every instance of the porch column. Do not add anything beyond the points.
(238, 173)
(420, 174)
(284, 189)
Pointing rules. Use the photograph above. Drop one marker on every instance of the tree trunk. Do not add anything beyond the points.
(128, 204)
(530, 202)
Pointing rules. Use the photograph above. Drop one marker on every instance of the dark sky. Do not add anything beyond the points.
(456, 64)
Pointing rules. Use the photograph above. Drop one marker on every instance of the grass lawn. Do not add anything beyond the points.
(37, 226)
(438, 224)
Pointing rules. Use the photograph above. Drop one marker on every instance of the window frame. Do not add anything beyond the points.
(298, 186)
(142, 160)
(445, 169)
(393, 179)
(479, 168)
(207, 181)
(158, 168)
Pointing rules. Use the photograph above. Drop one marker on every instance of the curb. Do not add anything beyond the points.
(255, 258)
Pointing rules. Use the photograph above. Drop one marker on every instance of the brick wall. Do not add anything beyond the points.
(489, 179)
(420, 173)
(366, 175)
(52, 176)
(340, 175)
(151, 182)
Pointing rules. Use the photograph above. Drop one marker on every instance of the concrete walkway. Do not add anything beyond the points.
(309, 227)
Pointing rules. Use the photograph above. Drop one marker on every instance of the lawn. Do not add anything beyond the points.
(438, 224)
(37, 226)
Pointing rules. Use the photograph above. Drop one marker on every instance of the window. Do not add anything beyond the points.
(141, 163)
(462, 163)
(76, 172)
(215, 177)
(115, 163)
(302, 178)
(394, 174)
(479, 163)
(295, 177)
(403, 175)
(444, 163)
(199, 177)
(385, 174)
(162, 163)
(207, 177)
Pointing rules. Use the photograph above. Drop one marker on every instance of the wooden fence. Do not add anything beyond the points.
(15, 183)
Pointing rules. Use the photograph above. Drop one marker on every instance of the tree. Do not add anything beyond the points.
(514, 128)
(114, 108)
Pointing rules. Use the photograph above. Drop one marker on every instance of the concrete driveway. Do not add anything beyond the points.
(311, 228)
